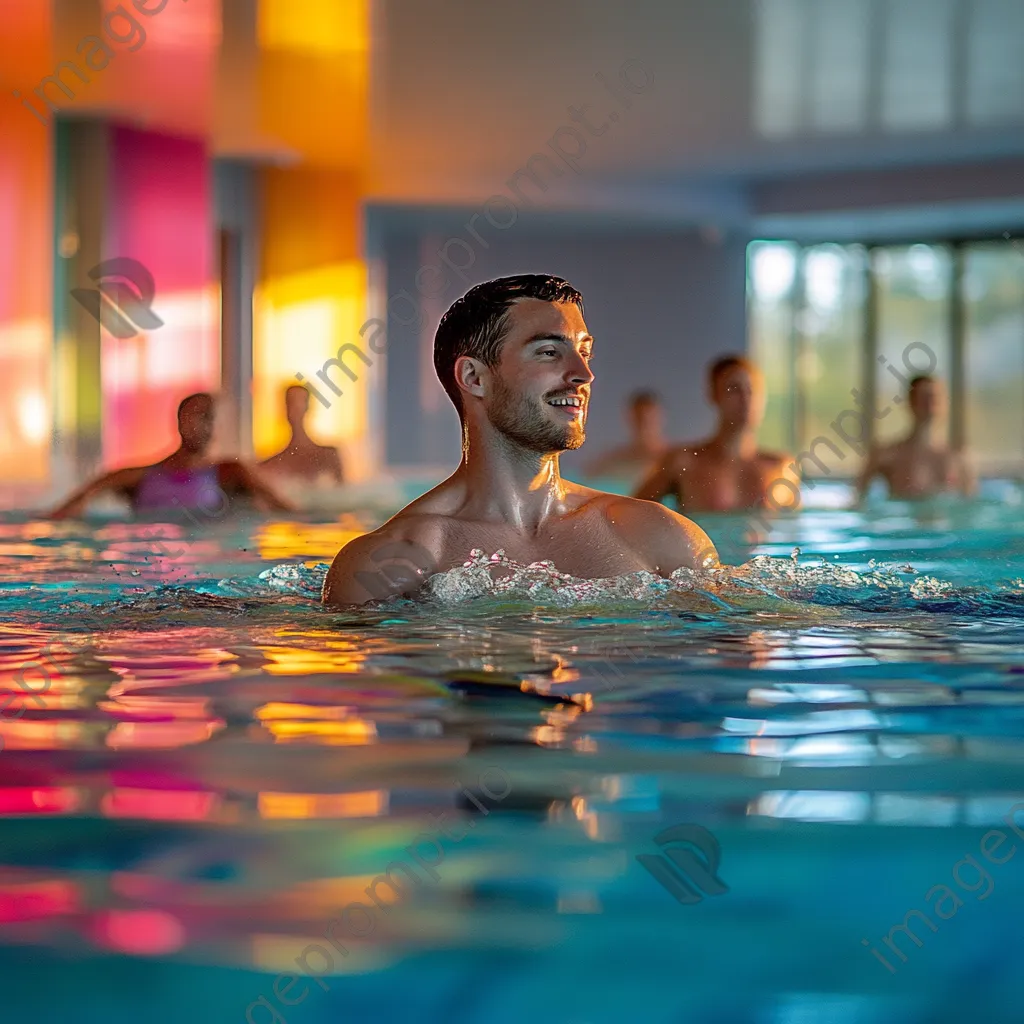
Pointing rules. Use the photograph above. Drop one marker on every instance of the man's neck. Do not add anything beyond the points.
(299, 438)
(735, 442)
(506, 481)
(186, 458)
(923, 435)
(653, 443)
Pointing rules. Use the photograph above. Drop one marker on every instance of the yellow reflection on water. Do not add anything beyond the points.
(276, 954)
(321, 541)
(350, 732)
(28, 735)
(370, 804)
(279, 710)
(296, 661)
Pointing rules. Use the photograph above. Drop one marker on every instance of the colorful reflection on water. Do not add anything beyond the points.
(202, 769)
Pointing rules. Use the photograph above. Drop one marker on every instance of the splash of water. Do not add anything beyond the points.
(883, 588)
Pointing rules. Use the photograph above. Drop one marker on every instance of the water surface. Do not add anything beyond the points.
(210, 768)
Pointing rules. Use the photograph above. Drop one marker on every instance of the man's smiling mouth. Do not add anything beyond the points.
(572, 401)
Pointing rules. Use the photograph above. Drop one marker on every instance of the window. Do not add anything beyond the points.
(913, 288)
(993, 284)
(837, 327)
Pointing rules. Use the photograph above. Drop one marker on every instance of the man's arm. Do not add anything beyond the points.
(118, 480)
(376, 567)
(337, 468)
(783, 492)
(966, 477)
(872, 467)
(663, 480)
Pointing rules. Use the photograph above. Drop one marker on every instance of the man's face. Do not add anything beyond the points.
(195, 424)
(739, 396)
(927, 400)
(646, 419)
(540, 389)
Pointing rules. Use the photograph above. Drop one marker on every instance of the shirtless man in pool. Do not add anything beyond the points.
(920, 465)
(727, 471)
(514, 357)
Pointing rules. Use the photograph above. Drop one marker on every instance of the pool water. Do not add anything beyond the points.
(211, 770)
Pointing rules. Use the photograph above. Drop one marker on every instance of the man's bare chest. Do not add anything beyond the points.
(588, 548)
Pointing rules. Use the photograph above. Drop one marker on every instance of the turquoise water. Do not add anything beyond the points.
(211, 769)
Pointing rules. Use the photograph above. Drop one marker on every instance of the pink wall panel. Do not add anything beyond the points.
(160, 213)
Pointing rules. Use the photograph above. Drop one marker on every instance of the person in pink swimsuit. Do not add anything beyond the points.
(186, 480)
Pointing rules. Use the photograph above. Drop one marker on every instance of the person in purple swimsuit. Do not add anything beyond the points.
(186, 479)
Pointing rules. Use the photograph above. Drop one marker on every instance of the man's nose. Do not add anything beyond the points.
(579, 372)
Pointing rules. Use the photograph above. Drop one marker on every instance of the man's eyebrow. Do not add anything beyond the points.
(564, 338)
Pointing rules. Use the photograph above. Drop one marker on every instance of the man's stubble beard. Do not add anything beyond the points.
(520, 419)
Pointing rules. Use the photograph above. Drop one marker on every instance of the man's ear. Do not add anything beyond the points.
(471, 375)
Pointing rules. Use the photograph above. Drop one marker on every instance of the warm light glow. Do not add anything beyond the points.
(320, 26)
(25, 436)
(371, 804)
(33, 416)
(302, 321)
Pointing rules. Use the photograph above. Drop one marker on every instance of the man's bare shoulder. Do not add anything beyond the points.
(665, 536)
(774, 458)
(679, 457)
(395, 558)
(390, 561)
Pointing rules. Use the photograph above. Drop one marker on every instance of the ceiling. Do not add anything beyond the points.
(446, 103)
(464, 93)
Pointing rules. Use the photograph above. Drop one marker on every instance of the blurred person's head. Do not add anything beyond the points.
(645, 414)
(513, 356)
(736, 390)
(927, 398)
(196, 416)
(296, 405)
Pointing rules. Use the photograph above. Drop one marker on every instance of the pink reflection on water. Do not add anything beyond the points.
(160, 804)
(139, 932)
(39, 800)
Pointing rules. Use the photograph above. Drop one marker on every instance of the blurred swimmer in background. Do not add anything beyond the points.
(920, 465)
(186, 479)
(302, 459)
(633, 461)
(728, 471)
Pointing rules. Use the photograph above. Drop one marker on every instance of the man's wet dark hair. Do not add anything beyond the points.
(192, 398)
(642, 398)
(723, 364)
(921, 378)
(476, 324)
